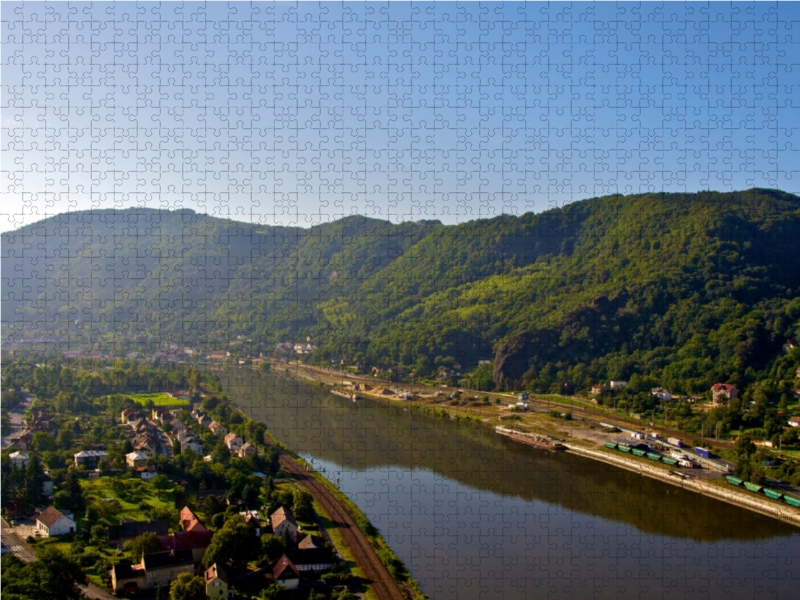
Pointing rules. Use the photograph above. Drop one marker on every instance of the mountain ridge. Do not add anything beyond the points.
(424, 294)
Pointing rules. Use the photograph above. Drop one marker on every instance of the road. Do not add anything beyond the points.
(17, 422)
(164, 441)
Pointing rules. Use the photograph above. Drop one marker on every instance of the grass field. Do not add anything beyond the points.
(158, 399)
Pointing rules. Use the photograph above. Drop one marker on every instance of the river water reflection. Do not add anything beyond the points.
(474, 515)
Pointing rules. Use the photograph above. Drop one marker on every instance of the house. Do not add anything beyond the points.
(185, 435)
(117, 535)
(597, 389)
(283, 520)
(794, 422)
(723, 392)
(233, 442)
(190, 521)
(285, 573)
(88, 459)
(196, 541)
(135, 459)
(178, 427)
(161, 414)
(147, 445)
(205, 421)
(162, 568)
(311, 555)
(23, 441)
(127, 414)
(146, 473)
(218, 428)
(247, 450)
(126, 578)
(617, 385)
(522, 399)
(191, 444)
(661, 394)
(52, 522)
(217, 584)
(19, 459)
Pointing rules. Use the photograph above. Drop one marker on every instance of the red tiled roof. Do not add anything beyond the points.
(285, 567)
(186, 540)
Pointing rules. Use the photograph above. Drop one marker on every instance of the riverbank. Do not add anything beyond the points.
(585, 439)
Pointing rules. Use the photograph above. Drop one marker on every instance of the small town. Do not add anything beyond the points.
(175, 495)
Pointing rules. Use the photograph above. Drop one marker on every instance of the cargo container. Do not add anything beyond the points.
(792, 501)
(675, 442)
(753, 487)
(678, 456)
(703, 452)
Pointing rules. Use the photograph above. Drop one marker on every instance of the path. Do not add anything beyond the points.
(16, 418)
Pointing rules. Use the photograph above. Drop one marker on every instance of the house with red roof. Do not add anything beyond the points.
(723, 392)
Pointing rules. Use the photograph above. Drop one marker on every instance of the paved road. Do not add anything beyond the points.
(17, 422)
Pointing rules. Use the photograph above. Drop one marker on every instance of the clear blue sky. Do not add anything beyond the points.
(299, 113)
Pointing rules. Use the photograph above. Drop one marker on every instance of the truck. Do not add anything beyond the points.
(675, 442)
(703, 452)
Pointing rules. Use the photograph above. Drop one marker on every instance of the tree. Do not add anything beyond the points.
(233, 546)
(54, 575)
(43, 442)
(147, 543)
(302, 508)
(187, 587)
(272, 547)
(34, 481)
(160, 482)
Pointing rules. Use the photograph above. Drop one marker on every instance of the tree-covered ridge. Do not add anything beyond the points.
(693, 288)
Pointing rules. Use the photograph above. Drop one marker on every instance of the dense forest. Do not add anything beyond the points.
(682, 289)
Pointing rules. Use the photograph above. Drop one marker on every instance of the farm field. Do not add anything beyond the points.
(158, 399)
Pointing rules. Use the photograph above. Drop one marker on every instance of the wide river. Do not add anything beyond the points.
(474, 515)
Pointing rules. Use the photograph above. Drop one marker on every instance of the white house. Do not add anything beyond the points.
(522, 399)
(146, 473)
(19, 459)
(52, 522)
(615, 385)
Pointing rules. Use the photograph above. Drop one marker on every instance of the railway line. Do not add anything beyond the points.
(383, 584)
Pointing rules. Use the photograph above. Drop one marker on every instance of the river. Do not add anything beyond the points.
(475, 515)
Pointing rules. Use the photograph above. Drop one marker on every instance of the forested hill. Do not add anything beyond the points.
(694, 287)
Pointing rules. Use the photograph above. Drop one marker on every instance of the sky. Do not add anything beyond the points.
(299, 113)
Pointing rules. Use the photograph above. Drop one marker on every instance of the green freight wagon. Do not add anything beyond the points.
(639, 452)
(611, 445)
(652, 456)
(753, 487)
(774, 494)
(624, 448)
(734, 480)
(669, 461)
(791, 500)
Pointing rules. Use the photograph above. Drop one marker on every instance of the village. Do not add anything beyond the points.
(121, 504)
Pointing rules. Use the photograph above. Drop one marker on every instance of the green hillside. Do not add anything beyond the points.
(688, 288)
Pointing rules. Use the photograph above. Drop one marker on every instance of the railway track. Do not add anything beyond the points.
(383, 583)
